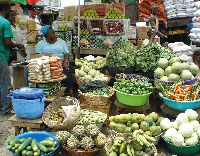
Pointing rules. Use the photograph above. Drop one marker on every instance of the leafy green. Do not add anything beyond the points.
(122, 57)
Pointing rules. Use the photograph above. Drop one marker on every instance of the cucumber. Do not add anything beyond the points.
(17, 145)
(24, 152)
(42, 147)
(50, 138)
(25, 144)
(9, 140)
(14, 141)
(29, 148)
(47, 143)
(42, 153)
(29, 153)
(37, 153)
(17, 152)
(34, 145)
(22, 140)
(55, 143)
(9, 147)
(50, 149)
(14, 148)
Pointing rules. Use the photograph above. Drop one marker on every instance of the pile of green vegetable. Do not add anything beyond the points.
(128, 123)
(130, 77)
(138, 145)
(147, 58)
(133, 87)
(122, 57)
(30, 146)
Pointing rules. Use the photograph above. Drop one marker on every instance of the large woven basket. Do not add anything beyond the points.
(97, 99)
(71, 152)
(68, 123)
(81, 81)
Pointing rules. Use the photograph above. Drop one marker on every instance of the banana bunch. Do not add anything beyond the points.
(137, 145)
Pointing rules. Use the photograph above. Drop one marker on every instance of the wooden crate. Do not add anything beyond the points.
(104, 109)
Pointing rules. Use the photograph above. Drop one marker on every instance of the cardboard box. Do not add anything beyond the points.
(142, 32)
(101, 9)
(71, 10)
(132, 33)
(120, 6)
(84, 8)
(139, 43)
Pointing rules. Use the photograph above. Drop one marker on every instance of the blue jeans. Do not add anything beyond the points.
(5, 102)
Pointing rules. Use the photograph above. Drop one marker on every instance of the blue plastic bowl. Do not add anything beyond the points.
(180, 105)
(136, 75)
(182, 151)
(39, 136)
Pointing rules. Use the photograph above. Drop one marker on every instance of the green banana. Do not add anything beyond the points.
(144, 141)
(122, 146)
(149, 138)
(129, 150)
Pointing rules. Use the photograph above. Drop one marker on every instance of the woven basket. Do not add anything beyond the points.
(71, 152)
(80, 81)
(68, 123)
(97, 99)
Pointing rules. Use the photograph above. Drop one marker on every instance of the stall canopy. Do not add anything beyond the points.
(24, 2)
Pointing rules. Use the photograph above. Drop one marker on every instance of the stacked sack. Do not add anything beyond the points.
(39, 69)
(179, 8)
(56, 67)
(195, 31)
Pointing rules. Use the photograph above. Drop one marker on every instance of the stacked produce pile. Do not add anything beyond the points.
(175, 69)
(63, 18)
(184, 131)
(147, 58)
(128, 123)
(82, 138)
(56, 67)
(122, 56)
(114, 13)
(39, 69)
(91, 14)
(179, 8)
(131, 76)
(30, 146)
(145, 8)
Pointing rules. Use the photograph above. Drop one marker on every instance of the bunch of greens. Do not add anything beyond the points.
(147, 58)
(96, 90)
(122, 57)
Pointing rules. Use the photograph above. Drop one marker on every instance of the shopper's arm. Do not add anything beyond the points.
(10, 44)
(66, 59)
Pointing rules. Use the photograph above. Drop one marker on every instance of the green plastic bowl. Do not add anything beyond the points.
(182, 151)
(132, 100)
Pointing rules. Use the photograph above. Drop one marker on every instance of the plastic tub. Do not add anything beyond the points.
(132, 100)
(39, 136)
(182, 151)
(180, 105)
(187, 82)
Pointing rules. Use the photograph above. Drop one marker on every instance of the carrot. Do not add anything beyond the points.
(186, 97)
(180, 95)
(172, 95)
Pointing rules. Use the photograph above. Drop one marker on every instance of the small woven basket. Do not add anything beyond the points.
(80, 81)
(68, 123)
(71, 152)
(97, 99)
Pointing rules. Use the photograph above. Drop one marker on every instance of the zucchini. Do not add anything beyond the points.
(24, 152)
(14, 148)
(25, 144)
(9, 140)
(55, 143)
(50, 138)
(9, 147)
(29, 148)
(22, 140)
(50, 149)
(17, 145)
(14, 141)
(42, 147)
(34, 145)
(37, 153)
(47, 143)
(17, 152)
(29, 153)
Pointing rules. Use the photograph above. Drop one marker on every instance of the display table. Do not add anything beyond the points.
(24, 123)
(121, 107)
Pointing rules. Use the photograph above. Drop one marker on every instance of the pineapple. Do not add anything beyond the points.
(100, 140)
(73, 142)
(87, 143)
(92, 130)
(62, 137)
(78, 131)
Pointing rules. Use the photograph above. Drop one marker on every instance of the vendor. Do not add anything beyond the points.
(56, 47)
(18, 38)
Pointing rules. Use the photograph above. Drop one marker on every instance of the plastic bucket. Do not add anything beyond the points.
(28, 109)
(132, 100)
(39, 136)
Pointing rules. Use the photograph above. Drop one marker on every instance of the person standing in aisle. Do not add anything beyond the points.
(5, 45)
(56, 47)
(18, 38)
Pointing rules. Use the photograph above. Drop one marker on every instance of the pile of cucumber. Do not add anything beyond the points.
(30, 146)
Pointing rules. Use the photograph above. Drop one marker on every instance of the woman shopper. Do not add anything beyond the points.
(5, 45)
(56, 47)
(18, 38)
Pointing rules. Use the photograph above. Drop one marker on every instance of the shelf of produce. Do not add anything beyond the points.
(121, 107)
(90, 51)
(55, 95)
(105, 109)
(24, 123)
